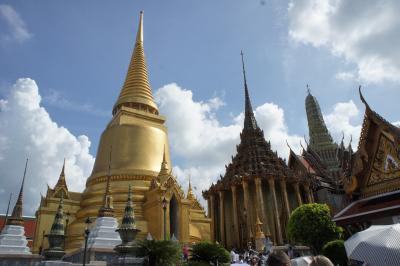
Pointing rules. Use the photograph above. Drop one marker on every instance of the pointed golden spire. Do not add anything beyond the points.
(136, 92)
(190, 195)
(61, 180)
(107, 209)
(164, 165)
(16, 216)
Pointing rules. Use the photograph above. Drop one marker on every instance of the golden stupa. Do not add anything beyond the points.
(140, 157)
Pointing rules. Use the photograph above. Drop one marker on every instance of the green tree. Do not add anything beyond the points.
(311, 225)
(336, 252)
(161, 253)
(207, 251)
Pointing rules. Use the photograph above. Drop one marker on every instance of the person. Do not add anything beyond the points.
(321, 261)
(185, 253)
(278, 258)
(290, 252)
(233, 256)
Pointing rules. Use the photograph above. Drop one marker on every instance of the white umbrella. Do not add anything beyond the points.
(378, 245)
(301, 261)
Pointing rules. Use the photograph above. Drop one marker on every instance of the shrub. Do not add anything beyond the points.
(336, 252)
(311, 224)
(206, 252)
(161, 253)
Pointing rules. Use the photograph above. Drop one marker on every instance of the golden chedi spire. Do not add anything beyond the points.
(164, 171)
(107, 209)
(136, 92)
(190, 195)
(16, 216)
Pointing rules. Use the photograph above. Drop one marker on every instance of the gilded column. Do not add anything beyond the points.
(285, 197)
(235, 217)
(297, 192)
(271, 183)
(261, 205)
(245, 185)
(222, 217)
(212, 216)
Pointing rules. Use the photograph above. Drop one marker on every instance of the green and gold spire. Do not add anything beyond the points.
(128, 221)
(16, 216)
(320, 139)
(136, 92)
(57, 228)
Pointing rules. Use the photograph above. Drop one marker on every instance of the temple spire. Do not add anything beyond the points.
(320, 139)
(61, 180)
(249, 119)
(57, 227)
(107, 209)
(136, 92)
(190, 195)
(16, 216)
(128, 220)
(164, 166)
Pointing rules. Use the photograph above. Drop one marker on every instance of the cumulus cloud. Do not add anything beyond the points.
(202, 144)
(344, 119)
(363, 32)
(27, 130)
(17, 29)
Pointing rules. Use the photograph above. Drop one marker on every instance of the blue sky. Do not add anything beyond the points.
(78, 53)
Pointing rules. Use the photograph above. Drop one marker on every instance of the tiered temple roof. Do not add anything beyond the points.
(254, 157)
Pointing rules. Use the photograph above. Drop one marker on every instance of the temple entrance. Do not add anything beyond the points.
(174, 217)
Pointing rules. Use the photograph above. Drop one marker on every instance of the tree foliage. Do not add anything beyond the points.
(311, 225)
(161, 253)
(207, 251)
(336, 252)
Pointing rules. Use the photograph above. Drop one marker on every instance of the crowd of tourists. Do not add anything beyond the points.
(275, 258)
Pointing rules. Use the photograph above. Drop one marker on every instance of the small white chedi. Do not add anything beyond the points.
(12, 237)
(103, 235)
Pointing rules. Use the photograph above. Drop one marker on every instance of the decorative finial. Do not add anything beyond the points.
(244, 71)
(249, 119)
(8, 208)
(63, 168)
(362, 98)
(107, 209)
(190, 194)
(16, 216)
(308, 89)
(139, 36)
(128, 220)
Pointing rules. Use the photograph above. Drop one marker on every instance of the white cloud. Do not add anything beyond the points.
(364, 32)
(17, 28)
(202, 144)
(341, 121)
(27, 130)
(345, 76)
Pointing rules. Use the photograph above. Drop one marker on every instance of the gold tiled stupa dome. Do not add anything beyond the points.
(138, 137)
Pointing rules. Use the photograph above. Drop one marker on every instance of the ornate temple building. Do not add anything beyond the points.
(258, 190)
(373, 182)
(48, 208)
(323, 161)
(140, 150)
